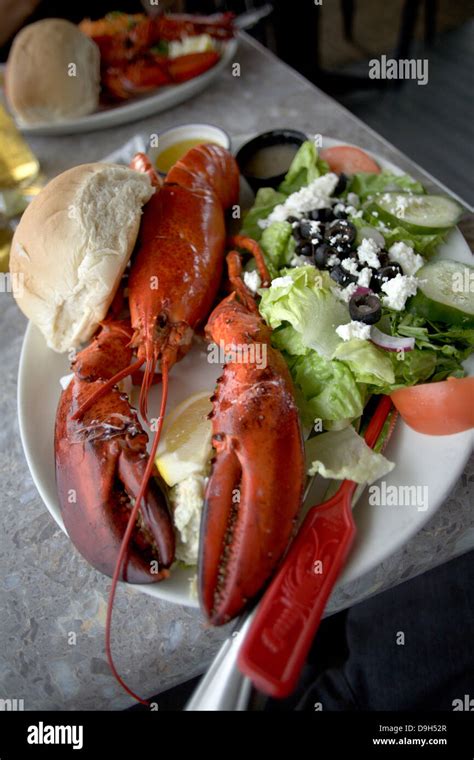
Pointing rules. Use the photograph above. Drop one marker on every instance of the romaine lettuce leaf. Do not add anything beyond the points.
(265, 201)
(278, 244)
(365, 184)
(368, 363)
(344, 454)
(449, 345)
(305, 167)
(328, 388)
(300, 299)
(285, 338)
(410, 368)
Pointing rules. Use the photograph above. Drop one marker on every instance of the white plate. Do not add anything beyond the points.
(434, 462)
(138, 108)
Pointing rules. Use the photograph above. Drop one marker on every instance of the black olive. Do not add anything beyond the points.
(292, 219)
(365, 308)
(340, 213)
(296, 233)
(384, 258)
(321, 214)
(348, 254)
(322, 254)
(341, 184)
(304, 248)
(342, 230)
(383, 274)
(305, 228)
(342, 276)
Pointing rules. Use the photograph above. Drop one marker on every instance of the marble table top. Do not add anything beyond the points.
(47, 591)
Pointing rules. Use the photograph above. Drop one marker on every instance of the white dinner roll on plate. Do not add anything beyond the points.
(71, 248)
(53, 73)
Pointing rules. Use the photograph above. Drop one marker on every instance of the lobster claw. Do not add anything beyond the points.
(252, 497)
(100, 463)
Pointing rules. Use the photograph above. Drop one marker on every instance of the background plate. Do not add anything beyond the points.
(138, 108)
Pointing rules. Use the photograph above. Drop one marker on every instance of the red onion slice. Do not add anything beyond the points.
(390, 342)
(362, 291)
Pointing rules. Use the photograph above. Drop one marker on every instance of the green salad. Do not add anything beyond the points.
(358, 302)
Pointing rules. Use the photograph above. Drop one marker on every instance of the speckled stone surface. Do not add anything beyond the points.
(53, 604)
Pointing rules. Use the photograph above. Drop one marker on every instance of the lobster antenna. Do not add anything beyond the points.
(145, 387)
(105, 388)
(128, 533)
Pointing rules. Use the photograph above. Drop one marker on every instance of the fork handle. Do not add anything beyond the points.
(288, 616)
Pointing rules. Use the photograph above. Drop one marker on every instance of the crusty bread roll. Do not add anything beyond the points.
(72, 246)
(53, 73)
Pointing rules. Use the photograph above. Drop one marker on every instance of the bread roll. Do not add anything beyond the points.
(71, 248)
(53, 73)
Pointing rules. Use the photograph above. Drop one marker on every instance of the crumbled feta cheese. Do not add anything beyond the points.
(300, 261)
(253, 280)
(404, 202)
(354, 330)
(350, 266)
(314, 227)
(315, 195)
(282, 282)
(187, 499)
(345, 294)
(367, 253)
(404, 255)
(397, 290)
(375, 213)
(364, 278)
(333, 260)
(338, 208)
(353, 212)
(353, 199)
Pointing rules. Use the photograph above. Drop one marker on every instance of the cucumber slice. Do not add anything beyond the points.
(420, 214)
(445, 293)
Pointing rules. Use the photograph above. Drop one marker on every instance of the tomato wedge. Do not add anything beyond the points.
(438, 408)
(350, 160)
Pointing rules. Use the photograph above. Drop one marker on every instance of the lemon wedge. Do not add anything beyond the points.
(185, 446)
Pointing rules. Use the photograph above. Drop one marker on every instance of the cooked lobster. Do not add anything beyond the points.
(118, 517)
(256, 486)
(133, 49)
(173, 281)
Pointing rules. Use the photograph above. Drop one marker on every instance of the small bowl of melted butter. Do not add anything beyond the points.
(265, 159)
(175, 142)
